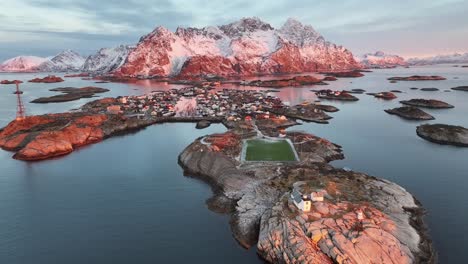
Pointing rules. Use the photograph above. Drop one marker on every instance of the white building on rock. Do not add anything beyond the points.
(302, 202)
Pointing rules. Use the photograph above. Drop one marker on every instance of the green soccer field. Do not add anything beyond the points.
(263, 150)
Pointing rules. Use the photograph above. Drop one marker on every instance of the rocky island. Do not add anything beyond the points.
(385, 95)
(47, 79)
(70, 94)
(461, 88)
(410, 112)
(355, 218)
(418, 78)
(444, 134)
(336, 95)
(11, 82)
(295, 81)
(345, 74)
(427, 103)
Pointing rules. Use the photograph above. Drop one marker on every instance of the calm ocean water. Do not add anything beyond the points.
(126, 199)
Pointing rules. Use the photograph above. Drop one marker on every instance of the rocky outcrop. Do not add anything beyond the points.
(245, 47)
(52, 135)
(427, 103)
(331, 232)
(295, 81)
(336, 95)
(307, 112)
(410, 112)
(444, 134)
(461, 88)
(10, 82)
(418, 78)
(70, 94)
(429, 89)
(346, 74)
(47, 79)
(385, 95)
(203, 124)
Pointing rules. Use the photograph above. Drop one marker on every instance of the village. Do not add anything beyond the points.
(197, 101)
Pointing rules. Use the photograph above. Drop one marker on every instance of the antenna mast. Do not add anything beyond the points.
(21, 111)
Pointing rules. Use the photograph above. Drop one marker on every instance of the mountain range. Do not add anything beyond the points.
(440, 59)
(246, 47)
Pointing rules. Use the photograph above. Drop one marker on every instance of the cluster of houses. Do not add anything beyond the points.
(304, 201)
(236, 104)
(155, 104)
(230, 103)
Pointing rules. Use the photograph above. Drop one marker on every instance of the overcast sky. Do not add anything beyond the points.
(404, 27)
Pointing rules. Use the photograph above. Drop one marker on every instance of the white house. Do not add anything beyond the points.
(301, 201)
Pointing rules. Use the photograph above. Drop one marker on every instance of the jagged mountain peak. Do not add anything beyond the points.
(245, 25)
(299, 34)
(247, 46)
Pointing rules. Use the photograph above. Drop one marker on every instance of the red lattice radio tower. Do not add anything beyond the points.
(21, 111)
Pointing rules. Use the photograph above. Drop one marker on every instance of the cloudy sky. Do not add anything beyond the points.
(408, 28)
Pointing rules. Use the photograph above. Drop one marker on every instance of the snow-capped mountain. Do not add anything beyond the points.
(22, 64)
(107, 59)
(382, 60)
(245, 47)
(440, 59)
(65, 61)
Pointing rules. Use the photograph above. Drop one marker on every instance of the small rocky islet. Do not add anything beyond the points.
(70, 94)
(427, 103)
(280, 83)
(336, 95)
(444, 134)
(418, 78)
(47, 79)
(410, 113)
(461, 88)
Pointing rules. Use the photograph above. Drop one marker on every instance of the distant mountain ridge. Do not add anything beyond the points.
(380, 59)
(440, 59)
(245, 47)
